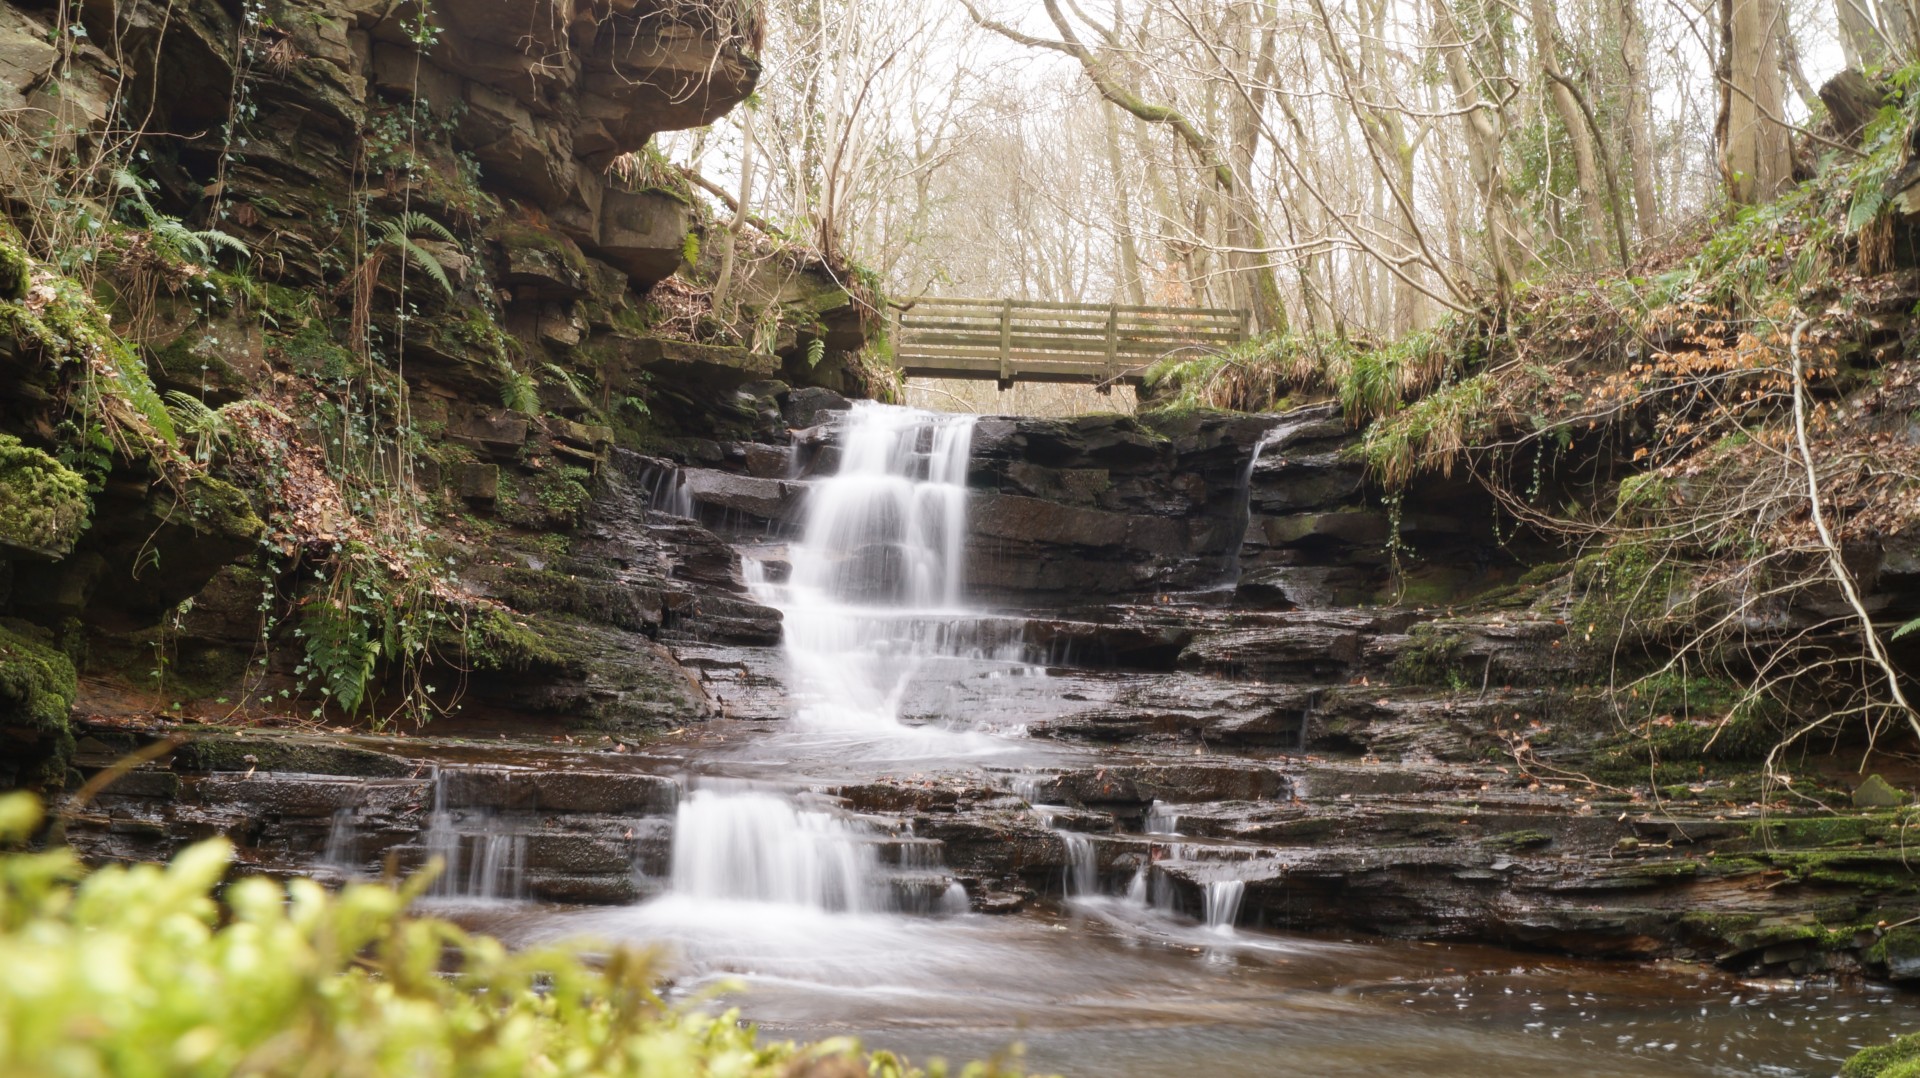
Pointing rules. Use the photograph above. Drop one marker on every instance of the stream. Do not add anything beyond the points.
(817, 920)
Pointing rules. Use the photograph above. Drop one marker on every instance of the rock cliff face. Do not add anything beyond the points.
(1443, 766)
(414, 257)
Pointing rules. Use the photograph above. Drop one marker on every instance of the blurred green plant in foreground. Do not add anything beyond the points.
(135, 971)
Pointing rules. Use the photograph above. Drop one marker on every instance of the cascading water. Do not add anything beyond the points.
(1223, 904)
(1083, 867)
(1162, 820)
(756, 846)
(875, 591)
(482, 856)
(343, 841)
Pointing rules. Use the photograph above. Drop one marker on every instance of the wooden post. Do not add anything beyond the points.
(1006, 343)
(1113, 346)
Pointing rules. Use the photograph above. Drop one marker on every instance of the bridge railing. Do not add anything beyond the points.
(1025, 340)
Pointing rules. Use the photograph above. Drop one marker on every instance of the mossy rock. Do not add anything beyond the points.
(219, 509)
(1520, 840)
(226, 752)
(37, 688)
(1877, 792)
(1899, 1059)
(43, 503)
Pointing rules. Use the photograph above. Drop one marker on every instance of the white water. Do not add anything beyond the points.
(483, 857)
(874, 603)
(343, 841)
(1223, 904)
(1083, 869)
(755, 846)
(1162, 820)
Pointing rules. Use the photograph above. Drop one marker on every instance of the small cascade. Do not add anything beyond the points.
(1267, 437)
(1083, 867)
(342, 850)
(1081, 877)
(482, 856)
(755, 846)
(1223, 904)
(667, 491)
(1162, 820)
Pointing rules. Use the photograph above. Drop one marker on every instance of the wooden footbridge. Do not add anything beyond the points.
(1012, 341)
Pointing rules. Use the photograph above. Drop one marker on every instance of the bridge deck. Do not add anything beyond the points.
(1030, 341)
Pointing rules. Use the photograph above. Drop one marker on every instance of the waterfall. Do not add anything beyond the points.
(343, 841)
(1267, 437)
(875, 591)
(755, 846)
(1083, 869)
(1223, 904)
(482, 857)
(1162, 820)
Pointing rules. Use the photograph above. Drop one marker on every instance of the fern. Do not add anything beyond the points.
(399, 234)
(168, 231)
(518, 391)
(341, 653)
(210, 429)
(570, 383)
(816, 351)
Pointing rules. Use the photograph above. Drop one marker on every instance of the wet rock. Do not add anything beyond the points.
(1129, 787)
(561, 791)
(214, 752)
(743, 498)
(810, 406)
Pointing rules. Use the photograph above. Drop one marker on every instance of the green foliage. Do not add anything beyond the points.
(141, 972)
(568, 381)
(399, 234)
(37, 688)
(43, 504)
(1899, 1059)
(518, 390)
(343, 647)
(167, 232)
(65, 323)
(690, 249)
(1432, 430)
(1368, 380)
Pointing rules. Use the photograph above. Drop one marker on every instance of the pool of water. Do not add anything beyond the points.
(1111, 988)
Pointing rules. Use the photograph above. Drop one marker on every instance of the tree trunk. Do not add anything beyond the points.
(1483, 133)
(1633, 59)
(1130, 284)
(1586, 170)
(1755, 157)
(1859, 37)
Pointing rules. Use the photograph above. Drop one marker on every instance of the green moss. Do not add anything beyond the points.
(219, 508)
(43, 504)
(555, 497)
(1816, 831)
(556, 250)
(227, 752)
(16, 269)
(1433, 655)
(1877, 872)
(494, 640)
(37, 688)
(1900, 1059)
(311, 351)
(65, 324)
